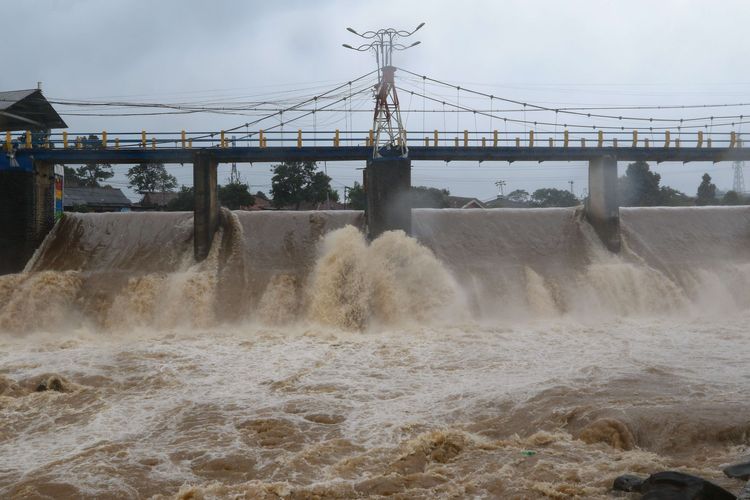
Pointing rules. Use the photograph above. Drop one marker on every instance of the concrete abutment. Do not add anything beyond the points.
(387, 183)
(206, 209)
(602, 207)
(27, 213)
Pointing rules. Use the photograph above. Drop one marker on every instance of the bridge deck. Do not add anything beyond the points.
(416, 153)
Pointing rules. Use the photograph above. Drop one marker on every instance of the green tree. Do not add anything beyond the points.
(518, 196)
(706, 192)
(90, 174)
(151, 177)
(673, 198)
(551, 197)
(639, 187)
(296, 182)
(235, 195)
(184, 202)
(429, 197)
(732, 198)
(357, 197)
(71, 177)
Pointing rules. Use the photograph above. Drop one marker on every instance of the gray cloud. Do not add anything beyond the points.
(582, 52)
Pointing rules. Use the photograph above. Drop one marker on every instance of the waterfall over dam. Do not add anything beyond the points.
(495, 353)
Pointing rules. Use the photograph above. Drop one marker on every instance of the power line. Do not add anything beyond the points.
(288, 109)
(586, 107)
(558, 110)
(574, 125)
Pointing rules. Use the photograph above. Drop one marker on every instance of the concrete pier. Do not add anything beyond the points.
(26, 213)
(206, 209)
(44, 200)
(387, 182)
(602, 207)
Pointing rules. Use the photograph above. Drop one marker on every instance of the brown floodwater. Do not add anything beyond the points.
(498, 354)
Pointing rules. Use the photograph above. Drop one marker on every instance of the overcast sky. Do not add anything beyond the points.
(550, 52)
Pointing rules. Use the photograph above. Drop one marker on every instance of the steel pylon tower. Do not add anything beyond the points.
(234, 175)
(738, 185)
(388, 129)
(739, 177)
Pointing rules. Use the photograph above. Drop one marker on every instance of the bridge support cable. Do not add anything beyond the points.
(586, 113)
(551, 124)
(362, 90)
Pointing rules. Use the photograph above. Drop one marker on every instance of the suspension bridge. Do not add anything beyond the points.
(504, 130)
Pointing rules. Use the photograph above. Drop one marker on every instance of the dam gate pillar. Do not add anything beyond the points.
(387, 182)
(206, 209)
(602, 208)
(27, 212)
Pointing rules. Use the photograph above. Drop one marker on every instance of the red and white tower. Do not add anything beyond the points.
(388, 130)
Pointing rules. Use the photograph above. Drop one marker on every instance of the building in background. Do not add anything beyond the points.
(95, 199)
(153, 200)
(464, 202)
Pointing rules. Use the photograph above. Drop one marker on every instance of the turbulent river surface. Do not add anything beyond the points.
(497, 354)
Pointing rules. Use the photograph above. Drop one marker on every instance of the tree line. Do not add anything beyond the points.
(640, 187)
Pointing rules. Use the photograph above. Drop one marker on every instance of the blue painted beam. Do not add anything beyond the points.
(362, 153)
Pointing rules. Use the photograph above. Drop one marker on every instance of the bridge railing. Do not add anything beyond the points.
(359, 138)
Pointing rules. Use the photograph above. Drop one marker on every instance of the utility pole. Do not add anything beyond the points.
(738, 185)
(388, 129)
(501, 186)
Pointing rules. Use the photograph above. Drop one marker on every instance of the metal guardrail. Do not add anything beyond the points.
(338, 138)
(335, 145)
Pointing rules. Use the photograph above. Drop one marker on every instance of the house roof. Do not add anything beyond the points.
(94, 196)
(157, 199)
(464, 202)
(27, 110)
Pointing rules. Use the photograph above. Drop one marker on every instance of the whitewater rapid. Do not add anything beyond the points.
(499, 353)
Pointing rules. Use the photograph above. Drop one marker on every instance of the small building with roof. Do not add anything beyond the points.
(28, 110)
(464, 202)
(95, 199)
(156, 200)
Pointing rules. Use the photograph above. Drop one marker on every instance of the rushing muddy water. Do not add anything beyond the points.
(500, 354)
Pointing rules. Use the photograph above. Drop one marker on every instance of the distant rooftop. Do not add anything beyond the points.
(157, 199)
(95, 197)
(464, 202)
(27, 110)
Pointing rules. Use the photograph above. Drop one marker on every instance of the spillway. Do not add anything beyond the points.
(497, 353)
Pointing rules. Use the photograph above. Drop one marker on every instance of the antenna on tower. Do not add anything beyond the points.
(389, 132)
(738, 185)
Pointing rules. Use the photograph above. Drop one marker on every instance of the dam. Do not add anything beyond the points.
(494, 353)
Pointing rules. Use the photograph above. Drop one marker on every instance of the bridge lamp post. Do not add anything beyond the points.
(388, 128)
